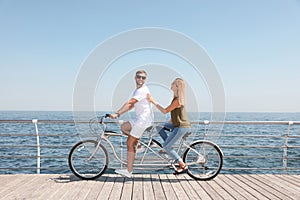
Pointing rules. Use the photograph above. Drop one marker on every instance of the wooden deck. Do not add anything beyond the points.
(146, 186)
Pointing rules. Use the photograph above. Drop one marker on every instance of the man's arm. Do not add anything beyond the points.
(126, 107)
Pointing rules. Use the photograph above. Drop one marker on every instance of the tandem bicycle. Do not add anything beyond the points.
(89, 159)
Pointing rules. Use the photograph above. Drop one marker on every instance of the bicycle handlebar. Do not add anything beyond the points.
(103, 116)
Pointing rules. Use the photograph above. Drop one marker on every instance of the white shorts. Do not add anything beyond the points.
(136, 129)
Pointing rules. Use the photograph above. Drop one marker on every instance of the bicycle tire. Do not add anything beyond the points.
(204, 160)
(83, 165)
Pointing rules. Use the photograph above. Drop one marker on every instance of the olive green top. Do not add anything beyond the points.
(179, 117)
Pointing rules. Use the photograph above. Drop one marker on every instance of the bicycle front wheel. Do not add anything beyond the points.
(87, 161)
(204, 160)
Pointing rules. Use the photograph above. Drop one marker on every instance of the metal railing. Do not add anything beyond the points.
(290, 153)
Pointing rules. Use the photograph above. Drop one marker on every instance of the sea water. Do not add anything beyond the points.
(18, 153)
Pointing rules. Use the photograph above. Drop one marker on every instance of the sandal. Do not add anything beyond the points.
(181, 170)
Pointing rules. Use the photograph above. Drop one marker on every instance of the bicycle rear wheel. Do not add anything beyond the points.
(87, 162)
(204, 160)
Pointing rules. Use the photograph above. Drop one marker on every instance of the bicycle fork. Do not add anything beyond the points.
(93, 153)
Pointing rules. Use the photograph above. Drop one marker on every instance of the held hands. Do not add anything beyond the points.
(114, 116)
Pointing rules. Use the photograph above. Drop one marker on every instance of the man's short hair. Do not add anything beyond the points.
(141, 72)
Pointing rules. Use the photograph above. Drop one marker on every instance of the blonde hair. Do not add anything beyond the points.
(180, 84)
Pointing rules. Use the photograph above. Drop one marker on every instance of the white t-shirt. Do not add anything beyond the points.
(143, 108)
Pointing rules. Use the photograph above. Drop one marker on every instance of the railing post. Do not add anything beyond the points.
(285, 147)
(206, 123)
(38, 162)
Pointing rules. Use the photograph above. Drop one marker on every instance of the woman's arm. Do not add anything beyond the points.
(172, 106)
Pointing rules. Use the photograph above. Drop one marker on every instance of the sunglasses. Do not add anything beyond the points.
(140, 77)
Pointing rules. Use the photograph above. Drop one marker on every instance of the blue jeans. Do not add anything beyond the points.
(169, 140)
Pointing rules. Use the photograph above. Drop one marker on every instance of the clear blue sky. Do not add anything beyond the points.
(254, 44)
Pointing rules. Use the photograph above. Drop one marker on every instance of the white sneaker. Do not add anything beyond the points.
(140, 149)
(124, 172)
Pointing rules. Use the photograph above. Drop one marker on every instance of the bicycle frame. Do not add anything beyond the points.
(106, 136)
(204, 158)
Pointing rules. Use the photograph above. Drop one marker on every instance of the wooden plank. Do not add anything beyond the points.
(148, 187)
(247, 191)
(26, 182)
(58, 191)
(77, 190)
(54, 186)
(220, 190)
(286, 186)
(198, 188)
(187, 187)
(23, 186)
(157, 187)
(178, 189)
(167, 187)
(272, 186)
(206, 185)
(229, 186)
(258, 186)
(96, 187)
(107, 187)
(10, 186)
(83, 190)
(295, 178)
(5, 179)
(116, 191)
(289, 179)
(137, 192)
(48, 182)
(127, 189)
(240, 192)
(36, 186)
